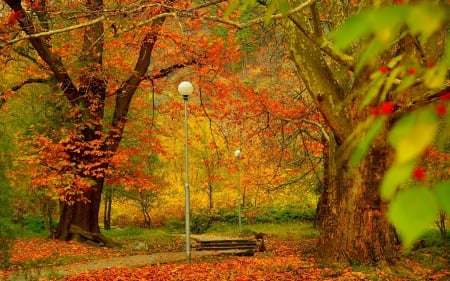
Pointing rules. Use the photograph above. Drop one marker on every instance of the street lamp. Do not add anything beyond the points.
(185, 88)
(237, 153)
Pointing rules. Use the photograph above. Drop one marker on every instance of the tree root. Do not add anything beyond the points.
(81, 235)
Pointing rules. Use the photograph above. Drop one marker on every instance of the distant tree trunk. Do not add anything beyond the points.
(440, 222)
(146, 213)
(107, 208)
(47, 208)
(210, 196)
(244, 196)
(323, 198)
(354, 226)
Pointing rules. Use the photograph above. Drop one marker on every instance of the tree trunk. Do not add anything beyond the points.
(107, 211)
(47, 207)
(81, 214)
(352, 215)
(323, 198)
(354, 227)
(210, 196)
(146, 213)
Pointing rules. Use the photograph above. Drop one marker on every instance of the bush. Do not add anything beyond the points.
(6, 226)
(229, 216)
(201, 222)
(269, 214)
(36, 225)
(174, 225)
(6, 241)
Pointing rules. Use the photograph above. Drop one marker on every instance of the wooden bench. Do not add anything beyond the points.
(242, 246)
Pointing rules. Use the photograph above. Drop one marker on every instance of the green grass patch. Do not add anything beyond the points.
(282, 231)
(149, 240)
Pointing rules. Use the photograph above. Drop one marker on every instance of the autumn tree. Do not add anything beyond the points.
(97, 74)
(379, 71)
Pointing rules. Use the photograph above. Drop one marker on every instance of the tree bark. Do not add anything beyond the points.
(107, 211)
(354, 227)
(80, 213)
(352, 218)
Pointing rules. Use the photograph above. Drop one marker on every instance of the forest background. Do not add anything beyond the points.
(106, 74)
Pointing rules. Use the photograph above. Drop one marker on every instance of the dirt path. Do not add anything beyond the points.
(126, 261)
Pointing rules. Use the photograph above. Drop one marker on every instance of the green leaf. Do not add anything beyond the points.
(283, 7)
(361, 150)
(271, 9)
(390, 81)
(370, 52)
(442, 191)
(354, 28)
(434, 78)
(231, 8)
(412, 212)
(373, 90)
(394, 61)
(432, 15)
(395, 176)
(413, 133)
(380, 21)
(406, 83)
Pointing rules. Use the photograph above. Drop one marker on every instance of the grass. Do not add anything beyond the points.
(152, 240)
(282, 231)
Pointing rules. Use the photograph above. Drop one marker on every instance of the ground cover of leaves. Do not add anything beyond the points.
(283, 260)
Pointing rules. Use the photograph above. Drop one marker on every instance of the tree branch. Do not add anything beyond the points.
(166, 71)
(3, 96)
(261, 19)
(42, 48)
(52, 32)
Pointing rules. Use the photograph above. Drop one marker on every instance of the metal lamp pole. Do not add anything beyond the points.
(185, 88)
(237, 153)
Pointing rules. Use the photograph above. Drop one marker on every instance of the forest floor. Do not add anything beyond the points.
(285, 259)
(134, 261)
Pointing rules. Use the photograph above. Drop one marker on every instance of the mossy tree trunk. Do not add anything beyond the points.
(352, 217)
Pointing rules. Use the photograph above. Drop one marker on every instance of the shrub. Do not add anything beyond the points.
(270, 214)
(6, 226)
(174, 225)
(201, 222)
(6, 241)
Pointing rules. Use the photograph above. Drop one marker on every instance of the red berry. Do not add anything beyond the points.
(411, 71)
(445, 96)
(387, 108)
(384, 69)
(375, 111)
(419, 173)
(441, 109)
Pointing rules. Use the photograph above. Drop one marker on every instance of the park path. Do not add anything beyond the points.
(46, 273)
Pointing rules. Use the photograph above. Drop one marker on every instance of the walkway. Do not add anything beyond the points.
(126, 261)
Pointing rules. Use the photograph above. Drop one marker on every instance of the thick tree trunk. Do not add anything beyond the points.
(354, 227)
(81, 214)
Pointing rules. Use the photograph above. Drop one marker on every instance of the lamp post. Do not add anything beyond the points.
(237, 153)
(185, 88)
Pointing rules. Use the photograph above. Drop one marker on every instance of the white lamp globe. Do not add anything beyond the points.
(185, 88)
